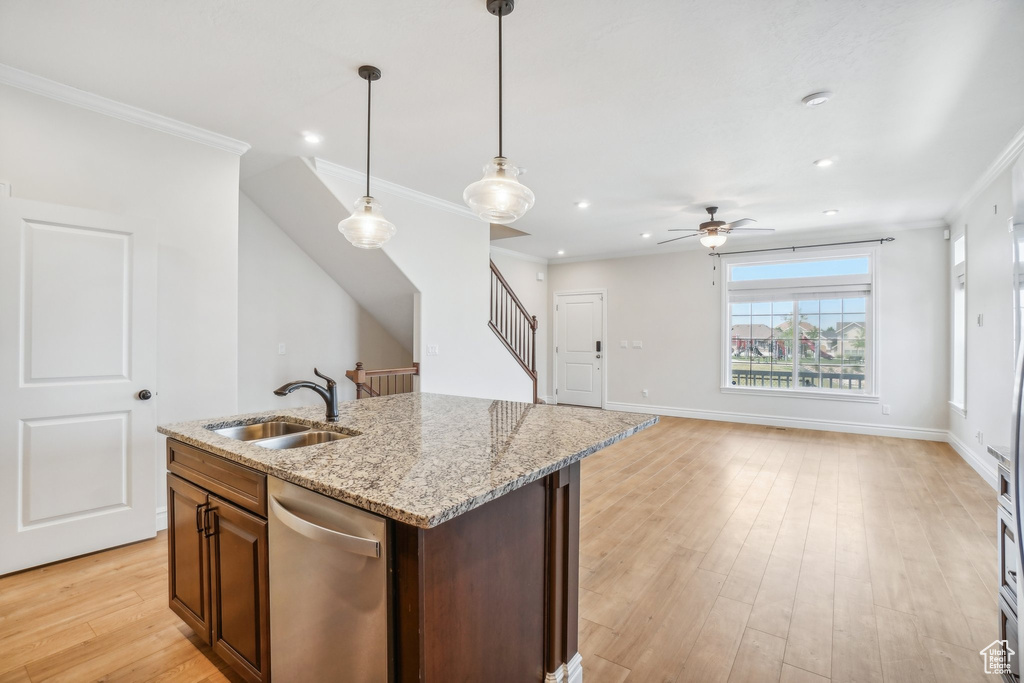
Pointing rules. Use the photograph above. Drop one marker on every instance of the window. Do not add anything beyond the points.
(958, 393)
(801, 326)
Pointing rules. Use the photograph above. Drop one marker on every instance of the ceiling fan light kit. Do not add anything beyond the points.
(367, 228)
(499, 197)
(714, 233)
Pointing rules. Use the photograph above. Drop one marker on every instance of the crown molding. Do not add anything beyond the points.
(784, 239)
(333, 170)
(118, 110)
(1001, 163)
(519, 255)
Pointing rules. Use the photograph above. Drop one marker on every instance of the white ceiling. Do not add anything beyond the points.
(651, 110)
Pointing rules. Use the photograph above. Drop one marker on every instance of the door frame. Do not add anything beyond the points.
(604, 340)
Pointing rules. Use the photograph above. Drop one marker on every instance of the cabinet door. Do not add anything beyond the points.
(240, 589)
(188, 566)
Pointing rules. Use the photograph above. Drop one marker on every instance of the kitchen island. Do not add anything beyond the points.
(478, 541)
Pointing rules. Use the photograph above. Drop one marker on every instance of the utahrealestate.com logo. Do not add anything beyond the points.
(997, 657)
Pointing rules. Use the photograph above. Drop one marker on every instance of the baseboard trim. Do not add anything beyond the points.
(983, 465)
(161, 518)
(790, 422)
(574, 669)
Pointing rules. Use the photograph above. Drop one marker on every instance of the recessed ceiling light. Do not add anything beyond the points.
(824, 163)
(816, 99)
(645, 235)
(312, 138)
(561, 252)
(830, 212)
(582, 204)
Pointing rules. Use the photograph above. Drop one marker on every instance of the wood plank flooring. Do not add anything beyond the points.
(734, 553)
(709, 552)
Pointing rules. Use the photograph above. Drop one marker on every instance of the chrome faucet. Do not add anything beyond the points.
(328, 394)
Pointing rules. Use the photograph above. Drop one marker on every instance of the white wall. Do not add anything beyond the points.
(445, 256)
(669, 303)
(187, 192)
(284, 297)
(520, 271)
(990, 361)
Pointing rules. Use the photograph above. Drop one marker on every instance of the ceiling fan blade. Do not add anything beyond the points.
(683, 230)
(679, 238)
(742, 221)
(752, 230)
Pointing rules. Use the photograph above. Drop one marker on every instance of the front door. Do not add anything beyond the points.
(77, 349)
(579, 348)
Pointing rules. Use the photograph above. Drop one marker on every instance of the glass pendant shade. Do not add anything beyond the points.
(713, 239)
(367, 228)
(499, 197)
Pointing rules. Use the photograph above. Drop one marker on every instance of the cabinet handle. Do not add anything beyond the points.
(207, 528)
(199, 519)
(369, 547)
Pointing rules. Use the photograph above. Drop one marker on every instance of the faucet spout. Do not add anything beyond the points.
(329, 393)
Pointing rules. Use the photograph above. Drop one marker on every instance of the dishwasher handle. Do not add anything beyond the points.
(353, 544)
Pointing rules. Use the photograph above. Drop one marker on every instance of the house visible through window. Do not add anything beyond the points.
(800, 325)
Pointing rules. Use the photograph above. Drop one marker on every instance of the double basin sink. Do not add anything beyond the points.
(280, 434)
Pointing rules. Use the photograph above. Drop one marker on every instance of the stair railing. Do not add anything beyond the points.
(513, 325)
(371, 383)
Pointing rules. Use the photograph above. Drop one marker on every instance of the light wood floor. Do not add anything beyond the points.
(716, 552)
(710, 552)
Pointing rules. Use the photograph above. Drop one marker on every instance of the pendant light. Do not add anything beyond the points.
(367, 228)
(499, 197)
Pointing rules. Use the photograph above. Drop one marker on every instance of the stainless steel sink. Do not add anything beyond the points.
(261, 430)
(300, 440)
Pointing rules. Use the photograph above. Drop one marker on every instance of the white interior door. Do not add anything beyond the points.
(77, 345)
(579, 348)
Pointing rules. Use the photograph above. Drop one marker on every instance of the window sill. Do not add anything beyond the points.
(958, 409)
(816, 395)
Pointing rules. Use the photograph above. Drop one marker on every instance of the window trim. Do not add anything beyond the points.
(871, 320)
(957, 271)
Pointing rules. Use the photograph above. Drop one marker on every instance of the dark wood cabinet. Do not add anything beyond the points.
(187, 568)
(239, 591)
(218, 569)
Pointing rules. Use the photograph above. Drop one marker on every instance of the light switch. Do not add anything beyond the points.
(638, 345)
(540, 277)
(432, 350)
(281, 349)
(624, 344)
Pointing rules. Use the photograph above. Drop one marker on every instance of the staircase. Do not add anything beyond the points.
(515, 327)
(372, 383)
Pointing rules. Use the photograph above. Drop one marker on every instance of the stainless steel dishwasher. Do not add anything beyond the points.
(329, 589)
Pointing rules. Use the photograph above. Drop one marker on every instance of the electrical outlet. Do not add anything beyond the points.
(644, 393)
(885, 409)
(980, 436)
(981, 320)
(623, 343)
(638, 345)
(281, 349)
(432, 350)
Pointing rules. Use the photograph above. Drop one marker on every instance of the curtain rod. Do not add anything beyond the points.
(806, 246)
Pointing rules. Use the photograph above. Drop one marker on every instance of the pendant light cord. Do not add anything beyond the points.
(500, 153)
(369, 84)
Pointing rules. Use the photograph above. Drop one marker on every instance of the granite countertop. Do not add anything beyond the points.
(1002, 454)
(423, 459)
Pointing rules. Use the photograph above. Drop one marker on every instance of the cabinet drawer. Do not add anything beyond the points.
(1007, 540)
(239, 484)
(1008, 632)
(1005, 492)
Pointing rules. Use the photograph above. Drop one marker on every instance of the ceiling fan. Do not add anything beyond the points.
(714, 233)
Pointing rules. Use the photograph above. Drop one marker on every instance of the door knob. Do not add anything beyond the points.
(598, 355)
(145, 395)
